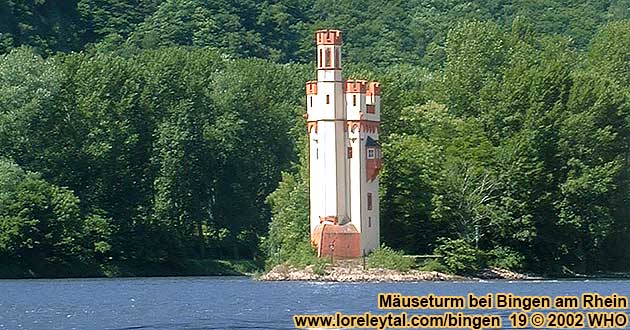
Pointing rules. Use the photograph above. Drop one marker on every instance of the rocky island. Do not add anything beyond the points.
(354, 272)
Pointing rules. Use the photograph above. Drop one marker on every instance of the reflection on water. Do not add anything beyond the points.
(227, 302)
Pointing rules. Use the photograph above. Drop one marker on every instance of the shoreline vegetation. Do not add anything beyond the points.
(397, 268)
(189, 267)
(385, 264)
(287, 272)
(388, 265)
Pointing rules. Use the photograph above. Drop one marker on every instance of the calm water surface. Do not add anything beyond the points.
(226, 302)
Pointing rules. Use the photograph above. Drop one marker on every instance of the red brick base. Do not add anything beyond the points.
(342, 241)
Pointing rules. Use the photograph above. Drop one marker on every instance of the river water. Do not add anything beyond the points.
(228, 302)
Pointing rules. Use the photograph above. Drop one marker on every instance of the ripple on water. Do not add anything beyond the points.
(227, 303)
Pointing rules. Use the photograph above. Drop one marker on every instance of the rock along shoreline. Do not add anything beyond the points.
(350, 273)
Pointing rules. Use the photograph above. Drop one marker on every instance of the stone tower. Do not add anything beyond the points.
(345, 155)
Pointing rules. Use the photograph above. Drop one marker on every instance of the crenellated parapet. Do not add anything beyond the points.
(328, 37)
(311, 87)
(374, 88)
(355, 86)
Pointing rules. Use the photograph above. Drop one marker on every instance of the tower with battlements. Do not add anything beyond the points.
(345, 155)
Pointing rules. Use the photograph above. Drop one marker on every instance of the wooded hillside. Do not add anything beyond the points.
(157, 131)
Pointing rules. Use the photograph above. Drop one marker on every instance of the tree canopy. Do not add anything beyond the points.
(156, 131)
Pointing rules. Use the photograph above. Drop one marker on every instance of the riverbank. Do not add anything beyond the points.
(353, 272)
(343, 271)
(188, 267)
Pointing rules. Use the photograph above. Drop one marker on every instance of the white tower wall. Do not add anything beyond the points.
(342, 117)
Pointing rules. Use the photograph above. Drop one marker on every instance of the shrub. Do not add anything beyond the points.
(505, 257)
(305, 255)
(434, 265)
(388, 258)
(459, 256)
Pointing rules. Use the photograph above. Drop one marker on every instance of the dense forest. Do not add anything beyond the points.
(151, 132)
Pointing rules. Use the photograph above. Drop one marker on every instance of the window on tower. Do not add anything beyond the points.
(370, 153)
(328, 58)
(370, 222)
(349, 152)
(369, 201)
(337, 58)
(354, 100)
(327, 99)
(320, 57)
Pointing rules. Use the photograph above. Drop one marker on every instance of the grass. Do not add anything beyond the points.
(433, 265)
(388, 258)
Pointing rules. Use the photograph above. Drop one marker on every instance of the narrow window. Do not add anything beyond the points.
(369, 201)
(370, 153)
(354, 100)
(320, 57)
(316, 153)
(327, 99)
(328, 58)
(349, 152)
(370, 222)
(337, 59)
(311, 101)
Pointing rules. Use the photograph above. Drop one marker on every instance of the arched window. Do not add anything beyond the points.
(337, 59)
(328, 58)
(320, 57)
